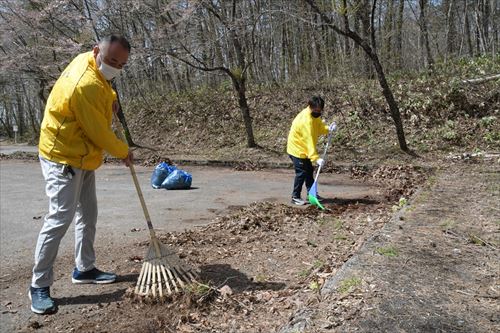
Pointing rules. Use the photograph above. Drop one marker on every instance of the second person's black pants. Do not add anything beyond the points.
(303, 173)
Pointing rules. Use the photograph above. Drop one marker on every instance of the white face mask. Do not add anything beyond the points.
(109, 72)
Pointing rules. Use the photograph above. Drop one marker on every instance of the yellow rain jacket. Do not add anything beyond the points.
(76, 126)
(304, 134)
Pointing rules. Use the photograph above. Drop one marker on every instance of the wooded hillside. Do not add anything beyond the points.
(183, 47)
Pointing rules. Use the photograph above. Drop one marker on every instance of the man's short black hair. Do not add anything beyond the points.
(117, 39)
(316, 102)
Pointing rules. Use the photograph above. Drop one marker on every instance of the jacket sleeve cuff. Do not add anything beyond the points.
(122, 150)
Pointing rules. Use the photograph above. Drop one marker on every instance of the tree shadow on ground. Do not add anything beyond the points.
(347, 202)
(224, 274)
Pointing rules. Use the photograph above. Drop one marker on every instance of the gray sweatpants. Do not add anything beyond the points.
(67, 195)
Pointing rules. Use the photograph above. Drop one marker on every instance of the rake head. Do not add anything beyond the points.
(313, 200)
(162, 272)
(312, 196)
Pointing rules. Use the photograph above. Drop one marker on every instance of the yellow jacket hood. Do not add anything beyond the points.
(76, 127)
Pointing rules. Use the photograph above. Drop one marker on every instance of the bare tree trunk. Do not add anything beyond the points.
(89, 18)
(41, 92)
(347, 48)
(450, 28)
(386, 90)
(496, 29)
(317, 59)
(486, 23)
(284, 54)
(388, 27)
(428, 60)
(7, 123)
(31, 112)
(240, 88)
(480, 37)
(358, 53)
(467, 29)
(239, 83)
(3, 119)
(20, 114)
(364, 14)
(399, 34)
(7, 128)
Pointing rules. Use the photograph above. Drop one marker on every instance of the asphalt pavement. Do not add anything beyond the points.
(215, 191)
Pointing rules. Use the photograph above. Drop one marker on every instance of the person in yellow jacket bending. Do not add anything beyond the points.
(75, 131)
(301, 147)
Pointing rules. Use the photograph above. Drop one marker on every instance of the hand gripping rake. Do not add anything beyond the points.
(162, 271)
(312, 196)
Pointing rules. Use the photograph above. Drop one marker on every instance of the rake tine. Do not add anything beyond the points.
(148, 279)
(144, 277)
(153, 273)
(172, 279)
(184, 275)
(166, 279)
(191, 276)
(181, 276)
(141, 274)
(176, 274)
(158, 273)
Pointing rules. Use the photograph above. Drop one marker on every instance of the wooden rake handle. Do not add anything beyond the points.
(141, 199)
(152, 233)
(137, 186)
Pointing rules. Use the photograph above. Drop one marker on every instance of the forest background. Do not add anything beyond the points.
(224, 79)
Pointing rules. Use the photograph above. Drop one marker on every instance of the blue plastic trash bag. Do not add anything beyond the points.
(177, 179)
(160, 173)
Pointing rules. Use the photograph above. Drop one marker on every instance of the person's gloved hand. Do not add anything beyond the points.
(320, 162)
(332, 127)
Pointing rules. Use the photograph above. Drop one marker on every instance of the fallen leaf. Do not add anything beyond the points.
(225, 291)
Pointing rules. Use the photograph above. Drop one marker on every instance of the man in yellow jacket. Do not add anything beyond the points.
(301, 147)
(75, 131)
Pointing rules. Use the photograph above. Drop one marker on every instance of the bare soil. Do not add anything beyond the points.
(434, 267)
(259, 265)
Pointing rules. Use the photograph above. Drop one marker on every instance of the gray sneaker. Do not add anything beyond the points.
(298, 201)
(41, 302)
